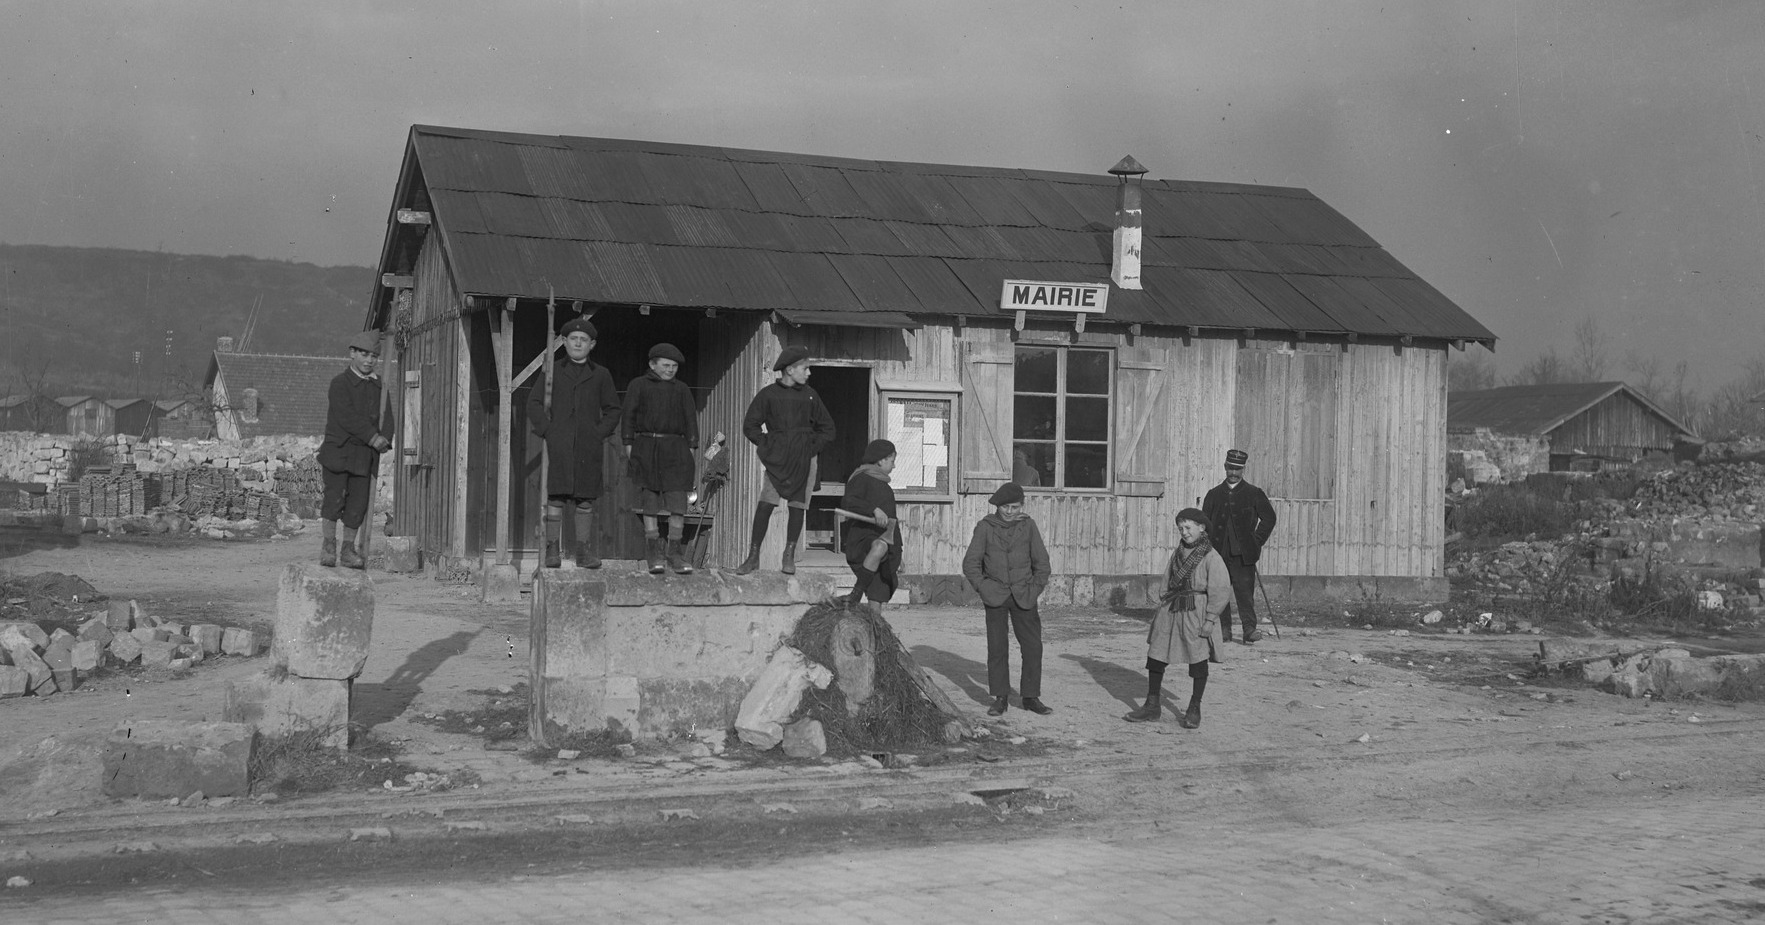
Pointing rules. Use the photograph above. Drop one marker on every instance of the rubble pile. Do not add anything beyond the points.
(1729, 491)
(42, 662)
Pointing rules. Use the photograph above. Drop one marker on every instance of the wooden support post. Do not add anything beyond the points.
(504, 337)
(1019, 323)
(1078, 323)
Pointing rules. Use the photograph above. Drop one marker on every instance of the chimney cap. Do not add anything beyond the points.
(1127, 167)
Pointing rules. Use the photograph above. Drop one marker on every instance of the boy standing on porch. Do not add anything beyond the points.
(661, 430)
(584, 413)
(356, 433)
(789, 425)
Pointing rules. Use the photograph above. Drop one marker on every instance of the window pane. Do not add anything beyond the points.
(1087, 372)
(1033, 417)
(1036, 369)
(1086, 465)
(1032, 464)
(1087, 419)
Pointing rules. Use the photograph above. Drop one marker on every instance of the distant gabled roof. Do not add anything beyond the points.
(631, 222)
(1538, 409)
(68, 401)
(291, 390)
(121, 403)
(13, 401)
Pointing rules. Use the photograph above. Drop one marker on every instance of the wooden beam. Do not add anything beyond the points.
(1078, 322)
(1018, 324)
(643, 309)
(395, 281)
(1408, 340)
(527, 371)
(1134, 329)
(504, 337)
(1459, 344)
(710, 313)
(412, 217)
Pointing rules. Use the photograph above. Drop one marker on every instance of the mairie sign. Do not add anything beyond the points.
(1034, 295)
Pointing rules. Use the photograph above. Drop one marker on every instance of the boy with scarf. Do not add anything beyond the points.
(1186, 628)
(873, 550)
(660, 425)
(1008, 564)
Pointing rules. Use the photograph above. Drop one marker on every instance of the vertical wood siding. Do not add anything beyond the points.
(1617, 426)
(430, 495)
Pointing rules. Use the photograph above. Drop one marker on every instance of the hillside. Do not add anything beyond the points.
(84, 312)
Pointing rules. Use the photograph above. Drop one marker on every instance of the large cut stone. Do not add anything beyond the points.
(97, 630)
(324, 618)
(402, 554)
(775, 695)
(23, 656)
(14, 682)
(87, 655)
(155, 759)
(281, 705)
(237, 640)
(28, 630)
(805, 738)
(125, 648)
(208, 636)
(120, 617)
(157, 654)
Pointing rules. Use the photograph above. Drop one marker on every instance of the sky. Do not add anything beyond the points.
(1541, 163)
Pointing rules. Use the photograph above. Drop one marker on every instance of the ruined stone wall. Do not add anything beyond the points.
(46, 459)
(1514, 455)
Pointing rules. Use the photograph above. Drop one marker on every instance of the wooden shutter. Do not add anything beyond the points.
(1143, 411)
(413, 415)
(986, 411)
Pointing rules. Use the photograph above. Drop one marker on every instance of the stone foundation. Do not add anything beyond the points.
(655, 657)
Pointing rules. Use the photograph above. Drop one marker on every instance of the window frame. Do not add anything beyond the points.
(1111, 398)
(947, 393)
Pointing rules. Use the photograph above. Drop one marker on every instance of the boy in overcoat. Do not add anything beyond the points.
(1007, 563)
(788, 424)
(357, 430)
(1239, 521)
(660, 425)
(584, 413)
(873, 550)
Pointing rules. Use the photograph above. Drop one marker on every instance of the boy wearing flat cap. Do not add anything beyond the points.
(584, 413)
(789, 425)
(1239, 521)
(357, 431)
(1007, 563)
(661, 431)
(873, 549)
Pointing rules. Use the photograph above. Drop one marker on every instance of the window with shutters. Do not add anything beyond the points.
(1061, 411)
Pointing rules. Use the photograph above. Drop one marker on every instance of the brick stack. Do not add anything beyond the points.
(120, 495)
(301, 487)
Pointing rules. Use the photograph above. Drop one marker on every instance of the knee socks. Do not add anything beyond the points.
(1154, 679)
(793, 527)
(677, 527)
(1197, 675)
(584, 517)
(762, 516)
(554, 522)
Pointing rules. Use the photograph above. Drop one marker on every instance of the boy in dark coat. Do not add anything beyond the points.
(1239, 521)
(357, 431)
(661, 431)
(873, 550)
(1008, 564)
(789, 425)
(584, 413)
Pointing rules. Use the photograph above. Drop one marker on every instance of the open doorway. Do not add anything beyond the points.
(847, 392)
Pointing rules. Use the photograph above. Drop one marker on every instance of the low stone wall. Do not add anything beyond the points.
(1514, 455)
(625, 652)
(45, 458)
(1138, 591)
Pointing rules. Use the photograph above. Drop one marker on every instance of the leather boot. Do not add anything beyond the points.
(653, 551)
(328, 552)
(860, 584)
(585, 557)
(789, 564)
(677, 559)
(1192, 718)
(349, 558)
(553, 558)
(751, 563)
(1149, 712)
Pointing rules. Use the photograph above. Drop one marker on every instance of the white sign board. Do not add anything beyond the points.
(1033, 295)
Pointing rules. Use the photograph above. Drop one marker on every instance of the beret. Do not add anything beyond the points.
(668, 352)
(579, 324)
(790, 357)
(1008, 493)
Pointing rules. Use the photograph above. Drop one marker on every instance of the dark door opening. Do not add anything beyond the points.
(846, 390)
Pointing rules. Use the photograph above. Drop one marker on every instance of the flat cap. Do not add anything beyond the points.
(579, 324)
(668, 352)
(366, 341)
(790, 357)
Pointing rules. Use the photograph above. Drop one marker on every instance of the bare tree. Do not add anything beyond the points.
(1544, 369)
(39, 409)
(1588, 360)
(1645, 374)
(1470, 373)
(1731, 410)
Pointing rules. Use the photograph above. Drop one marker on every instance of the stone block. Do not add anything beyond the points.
(163, 758)
(324, 618)
(157, 654)
(805, 738)
(29, 633)
(140, 616)
(402, 554)
(208, 636)
(174, 629)
(237, 640)
(499, 584)
(189, 650)
(775, 695)
(97, 630)
(121, 617)
(281, 705)
(14, 682)
(87, 655)
(59, 635)
(147, 634)
(125, 648)
(26, 658)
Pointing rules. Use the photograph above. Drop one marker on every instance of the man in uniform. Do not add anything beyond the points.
(584, 413)
(357, 431)
(1240, 519)
(789, 424)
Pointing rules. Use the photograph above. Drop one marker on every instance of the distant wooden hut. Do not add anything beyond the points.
(1566, 425)
(87, 416)
(135, 417)
(34, 413)
(990, 321)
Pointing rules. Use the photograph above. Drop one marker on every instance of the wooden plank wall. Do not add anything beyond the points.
(1391, 461)
(1617, 426)
(429, 495)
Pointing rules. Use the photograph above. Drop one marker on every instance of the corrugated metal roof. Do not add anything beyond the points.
(620, 221)
(1538, 409)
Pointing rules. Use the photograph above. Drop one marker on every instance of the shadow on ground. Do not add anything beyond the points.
(965, 673)
(387, 700)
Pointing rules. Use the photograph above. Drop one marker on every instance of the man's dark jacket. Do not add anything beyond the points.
(789, 426)
(585, 412)
(1239, 521)
(352, 418)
